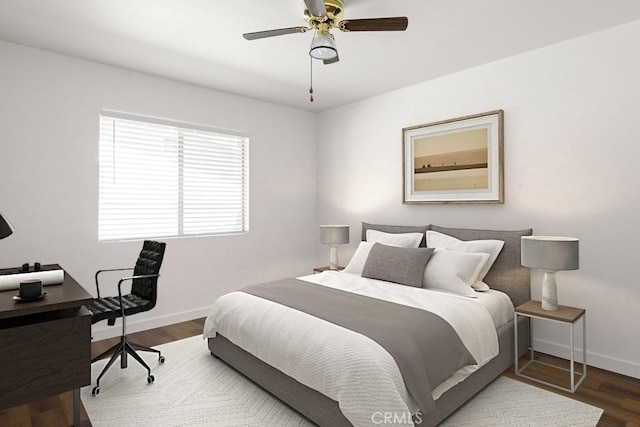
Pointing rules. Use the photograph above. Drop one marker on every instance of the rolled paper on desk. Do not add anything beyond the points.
(12, 281)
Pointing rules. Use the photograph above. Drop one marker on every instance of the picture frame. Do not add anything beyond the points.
(458, 160)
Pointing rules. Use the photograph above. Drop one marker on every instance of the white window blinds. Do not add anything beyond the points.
(166, 179)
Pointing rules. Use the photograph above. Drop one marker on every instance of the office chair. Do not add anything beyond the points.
(144, 286)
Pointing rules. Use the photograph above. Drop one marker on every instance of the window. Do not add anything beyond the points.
(166, 179)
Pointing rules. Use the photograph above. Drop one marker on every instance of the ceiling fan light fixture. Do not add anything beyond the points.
(323, 46)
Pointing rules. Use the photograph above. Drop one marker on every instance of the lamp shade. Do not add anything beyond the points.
(550, 253)
(334, 234)
(323, 46)
(5, 227)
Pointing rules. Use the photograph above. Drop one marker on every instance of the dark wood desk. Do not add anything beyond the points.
(45, 345)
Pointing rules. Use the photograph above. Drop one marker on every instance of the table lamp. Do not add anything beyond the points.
(334, 235)
(550, 254)
(5, 227)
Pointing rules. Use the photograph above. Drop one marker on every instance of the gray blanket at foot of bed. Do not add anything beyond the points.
(425, 347)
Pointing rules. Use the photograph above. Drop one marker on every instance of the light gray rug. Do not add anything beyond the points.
(194, 389)
(506, 402)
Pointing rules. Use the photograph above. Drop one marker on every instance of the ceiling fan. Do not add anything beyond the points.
(325, 15)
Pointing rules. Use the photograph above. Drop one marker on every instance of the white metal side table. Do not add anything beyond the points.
(566, 315)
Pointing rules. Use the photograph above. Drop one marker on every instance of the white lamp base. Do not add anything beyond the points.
(333, 258)
(549, 291)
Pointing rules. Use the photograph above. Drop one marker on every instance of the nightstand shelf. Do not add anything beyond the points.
(566, 315)
(325, 268)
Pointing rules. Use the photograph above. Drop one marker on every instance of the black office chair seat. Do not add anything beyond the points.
(104, 308)
(143, 295)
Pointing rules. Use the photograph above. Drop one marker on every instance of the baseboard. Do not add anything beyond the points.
(102, 331)
(608, 363)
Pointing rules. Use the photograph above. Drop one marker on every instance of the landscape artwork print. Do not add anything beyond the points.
(454, 161)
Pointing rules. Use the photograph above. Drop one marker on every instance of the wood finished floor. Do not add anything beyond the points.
(618, 395)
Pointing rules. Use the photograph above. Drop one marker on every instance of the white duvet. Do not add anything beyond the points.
(344, 365)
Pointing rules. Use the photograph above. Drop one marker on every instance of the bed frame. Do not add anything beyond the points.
(506, 275)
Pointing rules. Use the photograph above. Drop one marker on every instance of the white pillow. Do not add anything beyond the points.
(480, 286)
(356, 265)
(453, 271)
(490, 247)
(405, 240)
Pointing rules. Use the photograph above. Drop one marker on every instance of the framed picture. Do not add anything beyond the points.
(454, 161)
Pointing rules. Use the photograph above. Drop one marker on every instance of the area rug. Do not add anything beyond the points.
(506, 402)
(192, 388)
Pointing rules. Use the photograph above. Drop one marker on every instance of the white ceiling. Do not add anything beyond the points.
(200, 41)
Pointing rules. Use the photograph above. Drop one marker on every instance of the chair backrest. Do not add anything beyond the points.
(148, 262)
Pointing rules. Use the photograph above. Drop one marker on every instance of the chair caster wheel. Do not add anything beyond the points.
(161, 359)
(150, 379)
(95, 391)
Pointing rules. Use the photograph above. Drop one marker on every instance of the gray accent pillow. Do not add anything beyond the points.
(395, 229)
(506, 274)
(395, 264)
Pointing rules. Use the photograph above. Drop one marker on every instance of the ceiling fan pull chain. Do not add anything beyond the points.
(311, 73)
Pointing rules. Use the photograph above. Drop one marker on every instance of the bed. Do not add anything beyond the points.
(248, 345)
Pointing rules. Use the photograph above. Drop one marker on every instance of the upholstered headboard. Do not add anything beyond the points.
(506, 274)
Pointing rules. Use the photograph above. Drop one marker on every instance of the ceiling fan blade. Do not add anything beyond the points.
(316, 7)
(273, 33)
(375, 24)
(331, 61)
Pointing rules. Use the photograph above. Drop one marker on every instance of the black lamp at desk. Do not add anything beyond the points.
(5, 228)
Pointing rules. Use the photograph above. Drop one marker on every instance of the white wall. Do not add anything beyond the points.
(49, 107)
(572, 168)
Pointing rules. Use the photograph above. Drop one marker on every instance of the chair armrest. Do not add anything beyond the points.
(106, 270)
(124, 279)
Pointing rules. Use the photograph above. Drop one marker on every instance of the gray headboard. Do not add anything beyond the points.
(506, 274)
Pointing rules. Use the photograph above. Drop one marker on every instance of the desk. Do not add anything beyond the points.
(45, 345)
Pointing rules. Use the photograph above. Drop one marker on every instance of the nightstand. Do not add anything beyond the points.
(566, 315)
(325, 268)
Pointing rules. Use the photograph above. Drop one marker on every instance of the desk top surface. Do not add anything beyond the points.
(59, 297)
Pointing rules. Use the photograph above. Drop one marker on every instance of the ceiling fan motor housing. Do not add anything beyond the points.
(335, 13)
